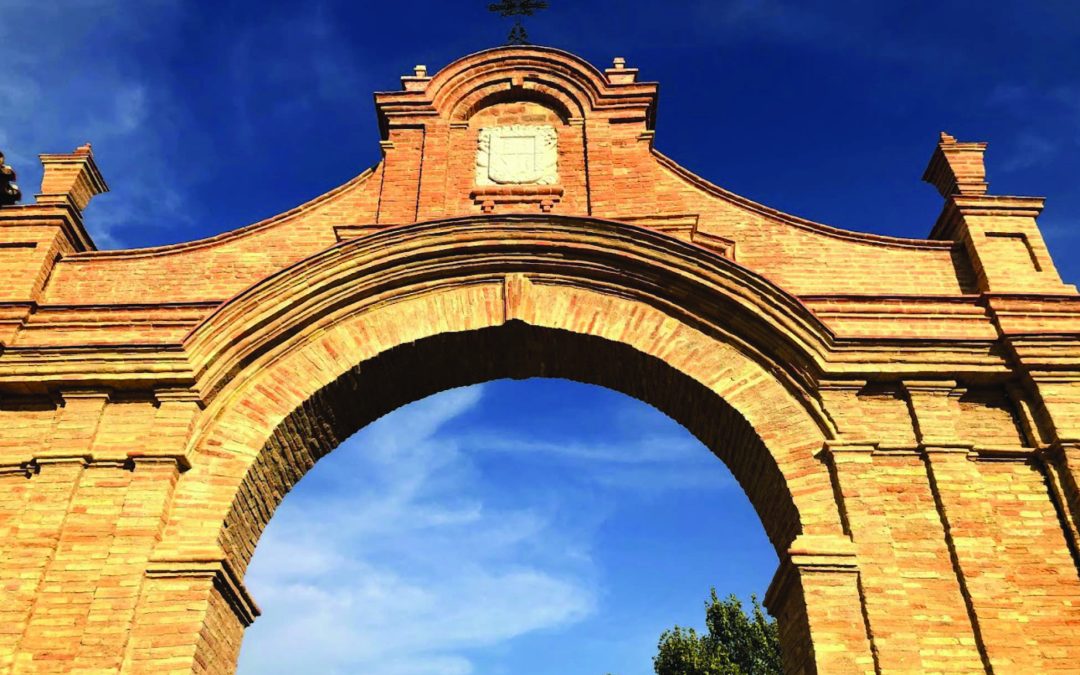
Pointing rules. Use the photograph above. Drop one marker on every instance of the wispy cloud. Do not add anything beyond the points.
(409, 572)
(1060, 230)
(650, 463)
(1029, 149)
(312, 67)
(769, 19)
(66, 90)
(864, 28)
(1048, 119)
(111, 72)
(400, 558)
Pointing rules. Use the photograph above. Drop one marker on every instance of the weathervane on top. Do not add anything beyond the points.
(517, 8)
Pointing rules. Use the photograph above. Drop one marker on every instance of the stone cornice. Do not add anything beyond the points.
(577, 250)
(833, 450)
(225, 580)
(62, 213)
(31, 466)
(822, 554)
(38, 370)
(959, 206)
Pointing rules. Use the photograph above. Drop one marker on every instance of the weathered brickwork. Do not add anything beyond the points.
(903, 414)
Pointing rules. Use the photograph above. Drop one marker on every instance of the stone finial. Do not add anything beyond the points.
(71, 177)
(417, 81)
(9, 191)
(618, 73)
(957, 168)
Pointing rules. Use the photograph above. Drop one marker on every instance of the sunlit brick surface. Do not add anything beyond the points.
(904, 414)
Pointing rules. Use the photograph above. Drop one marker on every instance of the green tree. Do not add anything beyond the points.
(735, 644)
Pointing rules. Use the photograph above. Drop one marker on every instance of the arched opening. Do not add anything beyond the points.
(511, 526)
(516, 350)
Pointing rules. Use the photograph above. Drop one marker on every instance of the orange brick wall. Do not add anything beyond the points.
(914, 602)
(903, 414)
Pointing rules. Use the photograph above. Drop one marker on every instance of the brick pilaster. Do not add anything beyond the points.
(1062, 461)
(190, 619)
(403, 155)
(969, 521)
(915, 609)
(56, 471)
(817, 600)
(28, 549)
(138, 524)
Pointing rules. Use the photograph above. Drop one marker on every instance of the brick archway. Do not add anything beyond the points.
(904, 414)
(471, 300)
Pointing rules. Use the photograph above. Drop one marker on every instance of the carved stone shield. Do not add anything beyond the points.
(517, 155)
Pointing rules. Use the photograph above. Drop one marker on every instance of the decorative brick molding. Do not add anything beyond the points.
(541, 197)
(71, 178)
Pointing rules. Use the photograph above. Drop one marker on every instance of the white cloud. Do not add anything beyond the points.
(61, 92)
(397, 559)
(648, 450)
(393, 568)
(1048, 120)
(106, 75)
(649, 463)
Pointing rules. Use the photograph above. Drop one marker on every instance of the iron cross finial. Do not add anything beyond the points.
(517, 8)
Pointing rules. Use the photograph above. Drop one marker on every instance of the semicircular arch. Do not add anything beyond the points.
(301, 361)
(688, 282)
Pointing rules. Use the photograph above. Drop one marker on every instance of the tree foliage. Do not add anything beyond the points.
(735, 643)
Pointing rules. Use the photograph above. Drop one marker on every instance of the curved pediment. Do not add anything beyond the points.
(565, 82)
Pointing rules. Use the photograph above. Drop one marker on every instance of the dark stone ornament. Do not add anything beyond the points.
(9, 191)
(518, 34)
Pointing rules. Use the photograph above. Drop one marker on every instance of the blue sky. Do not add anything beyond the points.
(524, 526)
(537, 526)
